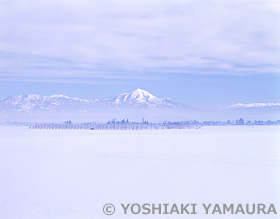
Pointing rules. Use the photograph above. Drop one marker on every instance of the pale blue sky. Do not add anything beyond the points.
(201, 53)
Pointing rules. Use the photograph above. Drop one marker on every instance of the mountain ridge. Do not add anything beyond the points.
(136, 99)
(253, 105)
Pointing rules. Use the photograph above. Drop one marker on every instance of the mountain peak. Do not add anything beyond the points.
(60, 96)
(139, 98)
(140, 94)
(138, 90)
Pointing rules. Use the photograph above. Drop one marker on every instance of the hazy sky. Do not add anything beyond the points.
(201, 53)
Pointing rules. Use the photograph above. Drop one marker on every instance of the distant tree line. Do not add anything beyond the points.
(126, 125)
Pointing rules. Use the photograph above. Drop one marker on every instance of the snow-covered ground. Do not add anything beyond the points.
(67, 174)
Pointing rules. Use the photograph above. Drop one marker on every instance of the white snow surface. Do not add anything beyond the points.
(67, 174)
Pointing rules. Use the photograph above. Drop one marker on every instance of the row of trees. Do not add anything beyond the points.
(116, 126)
(126, 125)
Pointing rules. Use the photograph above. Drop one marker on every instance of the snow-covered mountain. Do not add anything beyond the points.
(252, 111)
(136, 99)
(254, 105)
(135, 106)
(33, 102)
(139, 99)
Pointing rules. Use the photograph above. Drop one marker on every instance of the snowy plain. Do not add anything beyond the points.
(67, 174)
